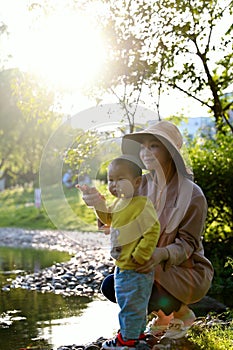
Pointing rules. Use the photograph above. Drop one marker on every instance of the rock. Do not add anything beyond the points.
(206, 305)
(81, 275)
(75, 277)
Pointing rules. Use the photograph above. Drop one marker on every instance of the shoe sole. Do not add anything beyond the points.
(179, 335)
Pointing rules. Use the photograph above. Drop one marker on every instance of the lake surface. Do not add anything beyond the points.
(30, 318)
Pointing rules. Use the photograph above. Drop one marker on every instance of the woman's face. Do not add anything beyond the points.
(153, 151)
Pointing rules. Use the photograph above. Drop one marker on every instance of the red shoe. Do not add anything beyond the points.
(118, 343)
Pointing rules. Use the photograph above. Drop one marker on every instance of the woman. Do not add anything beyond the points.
(183, 274)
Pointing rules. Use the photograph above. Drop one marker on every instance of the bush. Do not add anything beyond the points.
(212, 161)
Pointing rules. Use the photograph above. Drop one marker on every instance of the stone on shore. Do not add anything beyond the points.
(81, 275)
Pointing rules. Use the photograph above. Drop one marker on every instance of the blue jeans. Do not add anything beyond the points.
(133, 291)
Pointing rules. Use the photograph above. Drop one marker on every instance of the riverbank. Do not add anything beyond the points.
(69, 241)
(82, 275)
(90, 262)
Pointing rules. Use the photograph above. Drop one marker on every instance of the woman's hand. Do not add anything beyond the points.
(159, 255)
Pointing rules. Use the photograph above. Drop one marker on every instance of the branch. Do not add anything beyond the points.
(2, 162)
(160, 84)
(123, 104)
(227, 107)
(139, 94)
(190, 95)
(227, 122)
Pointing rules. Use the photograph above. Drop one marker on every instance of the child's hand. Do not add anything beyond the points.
(91, 196)
(134, 260)
(105, 229)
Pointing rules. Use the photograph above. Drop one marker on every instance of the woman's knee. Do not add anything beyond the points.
(162, 300)
(108, 289)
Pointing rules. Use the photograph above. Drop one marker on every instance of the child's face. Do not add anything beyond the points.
(121, 182)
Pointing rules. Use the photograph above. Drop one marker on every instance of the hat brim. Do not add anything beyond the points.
(131, 144)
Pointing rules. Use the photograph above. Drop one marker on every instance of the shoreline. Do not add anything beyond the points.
(68, 241)
(90, 262)
(81, 275)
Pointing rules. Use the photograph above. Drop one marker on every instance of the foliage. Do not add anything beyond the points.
(4, 33)
(23, 136)
(219, 253)
(32, 98)
(212, 161)
(90, 151)
(172, 44)
(82, 152)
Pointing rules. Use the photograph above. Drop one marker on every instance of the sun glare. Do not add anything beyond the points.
(66, 50)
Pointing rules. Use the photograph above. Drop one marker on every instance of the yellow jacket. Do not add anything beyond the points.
(134, 230)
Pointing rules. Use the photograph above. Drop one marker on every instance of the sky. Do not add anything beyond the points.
(51, 46)
(41, 46)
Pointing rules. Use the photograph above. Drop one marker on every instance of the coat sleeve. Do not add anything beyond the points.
(189, 232)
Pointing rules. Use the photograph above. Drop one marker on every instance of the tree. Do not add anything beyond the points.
(90, 153)
(4, 57)
(212, 165)
(172, 44)
(23, 136)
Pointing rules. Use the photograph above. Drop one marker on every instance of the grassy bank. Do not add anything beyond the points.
(17, 209)
(207, 336)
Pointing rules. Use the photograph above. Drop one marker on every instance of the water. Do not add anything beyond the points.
(47, 321)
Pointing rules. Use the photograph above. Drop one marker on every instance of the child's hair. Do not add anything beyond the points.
(134, 168)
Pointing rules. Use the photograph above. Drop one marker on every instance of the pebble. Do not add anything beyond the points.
(82, 275)
(96, 345)
(68, 241)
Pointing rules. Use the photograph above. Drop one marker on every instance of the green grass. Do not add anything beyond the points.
(17, 209)
(215, 337)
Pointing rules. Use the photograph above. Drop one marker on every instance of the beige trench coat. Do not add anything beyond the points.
(182, 209)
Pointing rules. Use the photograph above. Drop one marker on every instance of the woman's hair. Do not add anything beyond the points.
(133, 167)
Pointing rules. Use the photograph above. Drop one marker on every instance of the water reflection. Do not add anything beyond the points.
(35, 311)
(27, 259)
(98, 319)
(47, 319)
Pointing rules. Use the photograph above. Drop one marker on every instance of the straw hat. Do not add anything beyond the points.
(164, 131)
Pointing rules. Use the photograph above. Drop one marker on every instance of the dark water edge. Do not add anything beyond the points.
(32, 319)
(47, 320)
(30, 312)
(21, 311)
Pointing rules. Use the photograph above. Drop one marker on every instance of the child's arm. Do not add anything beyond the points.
(93, 198)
